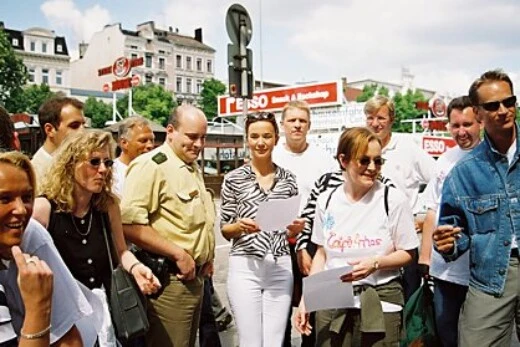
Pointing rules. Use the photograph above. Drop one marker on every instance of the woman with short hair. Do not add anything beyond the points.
(370, 226)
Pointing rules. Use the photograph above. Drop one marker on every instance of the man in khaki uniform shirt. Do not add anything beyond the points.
(166, 210)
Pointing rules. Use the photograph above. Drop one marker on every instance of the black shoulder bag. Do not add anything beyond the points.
(126, 301)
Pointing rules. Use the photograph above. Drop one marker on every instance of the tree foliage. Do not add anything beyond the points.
(211, 89)
(98, 111)
(405, 109)
(151, 101)
(13, 74)
(369, 90)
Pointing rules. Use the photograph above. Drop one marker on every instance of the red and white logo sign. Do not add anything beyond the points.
(316, 95)
(121, 67)
(135, 80)
(436, 146)
(438, 107)
(106, 87)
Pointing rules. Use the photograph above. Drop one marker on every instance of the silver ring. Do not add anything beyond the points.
(30, 261)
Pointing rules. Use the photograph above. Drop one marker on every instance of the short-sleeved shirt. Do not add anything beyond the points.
(298, 164)
(69, 305)
(456, 271)
(164, 192)
(352, 230)
(240, 196)
(41, 162)
(407, 166)
(8, 337)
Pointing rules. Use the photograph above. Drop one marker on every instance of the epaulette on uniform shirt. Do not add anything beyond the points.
(159, 158)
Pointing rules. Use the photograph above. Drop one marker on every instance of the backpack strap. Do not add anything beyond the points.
(387, 188)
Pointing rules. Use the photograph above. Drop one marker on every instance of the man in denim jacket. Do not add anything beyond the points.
(480, 213)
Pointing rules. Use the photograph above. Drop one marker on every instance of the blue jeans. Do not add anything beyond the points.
(448, 298)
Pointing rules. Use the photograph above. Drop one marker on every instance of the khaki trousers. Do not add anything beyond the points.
(174, 316)
(486, 320)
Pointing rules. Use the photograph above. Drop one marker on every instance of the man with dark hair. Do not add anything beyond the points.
(479, 214)
(451, 279)
(9, 139)
(58, 117)
(166, 210)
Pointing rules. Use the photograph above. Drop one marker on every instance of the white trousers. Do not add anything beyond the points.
(259, 293)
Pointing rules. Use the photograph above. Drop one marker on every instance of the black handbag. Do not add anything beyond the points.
(126, 302)
(160, 266)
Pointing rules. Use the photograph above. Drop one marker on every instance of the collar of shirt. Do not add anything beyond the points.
(178, 161)
(391, 144)
(499, 155)
(251, 174)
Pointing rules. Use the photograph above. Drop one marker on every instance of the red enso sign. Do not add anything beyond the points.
(316, 95)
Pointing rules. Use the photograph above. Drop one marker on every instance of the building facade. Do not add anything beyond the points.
(45, 56)
(178, 62)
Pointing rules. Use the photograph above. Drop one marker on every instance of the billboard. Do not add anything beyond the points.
(316, 95)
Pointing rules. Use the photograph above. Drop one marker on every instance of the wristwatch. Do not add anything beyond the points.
(375, 265)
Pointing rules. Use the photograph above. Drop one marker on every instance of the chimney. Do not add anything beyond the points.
(82, 49)
(344, 84)
(198, 34)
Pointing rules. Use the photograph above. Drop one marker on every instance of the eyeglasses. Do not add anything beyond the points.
(96, 162)
(378, 161)
(493, 106)
(260, 116)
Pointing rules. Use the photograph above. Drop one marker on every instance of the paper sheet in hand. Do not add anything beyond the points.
(325, 290)
(277, 214)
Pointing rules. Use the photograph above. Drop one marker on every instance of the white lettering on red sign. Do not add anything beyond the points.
(437, 145)
(316, 95)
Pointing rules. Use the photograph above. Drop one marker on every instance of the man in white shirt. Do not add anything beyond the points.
(58, 117)
(135, 137)
(406, 165)
(451, 279)
(308, 163)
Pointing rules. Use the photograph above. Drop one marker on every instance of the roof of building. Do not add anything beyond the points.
(187, 41)
(351, 94)
(396, 85)
(17, 34)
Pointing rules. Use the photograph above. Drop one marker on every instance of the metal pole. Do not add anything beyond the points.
(130, 110)
(114, 107)
(261, 56)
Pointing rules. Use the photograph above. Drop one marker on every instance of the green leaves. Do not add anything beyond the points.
(13, 75)
(211, 89)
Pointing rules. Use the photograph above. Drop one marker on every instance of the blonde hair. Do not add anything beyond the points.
(22, 162)
(59, 183)
(374, 104)
(298, 104)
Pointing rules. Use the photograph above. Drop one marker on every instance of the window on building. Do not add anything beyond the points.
(59, 78)
(209, 66)
(178, 85)
(188, 63)
(44, 47)
(199, 64)
(188, 85)
(178, 61)
(15, 42)
(32, 74)
(59, 48)
(199, 86)
(161, 51)
(133, 55)
(162, 81)
(133, 47)
(161, 63)
(45, 76)
(148, 61)
(148, 79)
(33, 46)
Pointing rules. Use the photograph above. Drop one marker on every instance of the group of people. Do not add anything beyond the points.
(60, 214)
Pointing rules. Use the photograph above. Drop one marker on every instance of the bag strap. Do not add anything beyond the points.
(387, 188)
(109, 250)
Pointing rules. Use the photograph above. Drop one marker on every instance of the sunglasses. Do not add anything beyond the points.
(96, 162)
(493, 106)
(378, 161)
(260, 116)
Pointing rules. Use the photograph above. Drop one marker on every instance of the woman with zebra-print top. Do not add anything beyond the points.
(260, 275)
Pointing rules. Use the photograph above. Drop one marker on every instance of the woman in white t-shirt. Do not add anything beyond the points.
(370, 226)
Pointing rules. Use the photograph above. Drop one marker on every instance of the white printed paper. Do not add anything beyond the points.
(277, 214)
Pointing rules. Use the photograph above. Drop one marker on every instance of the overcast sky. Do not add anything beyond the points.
(444, 43)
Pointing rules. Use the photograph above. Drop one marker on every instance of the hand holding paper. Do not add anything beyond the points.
(325, 290)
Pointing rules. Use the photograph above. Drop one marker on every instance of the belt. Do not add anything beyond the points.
(174, 269)
(515, 253)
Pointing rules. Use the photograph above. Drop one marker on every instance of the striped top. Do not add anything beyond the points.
(240, 196)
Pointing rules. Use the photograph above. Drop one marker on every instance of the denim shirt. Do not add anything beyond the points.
(482, 195)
